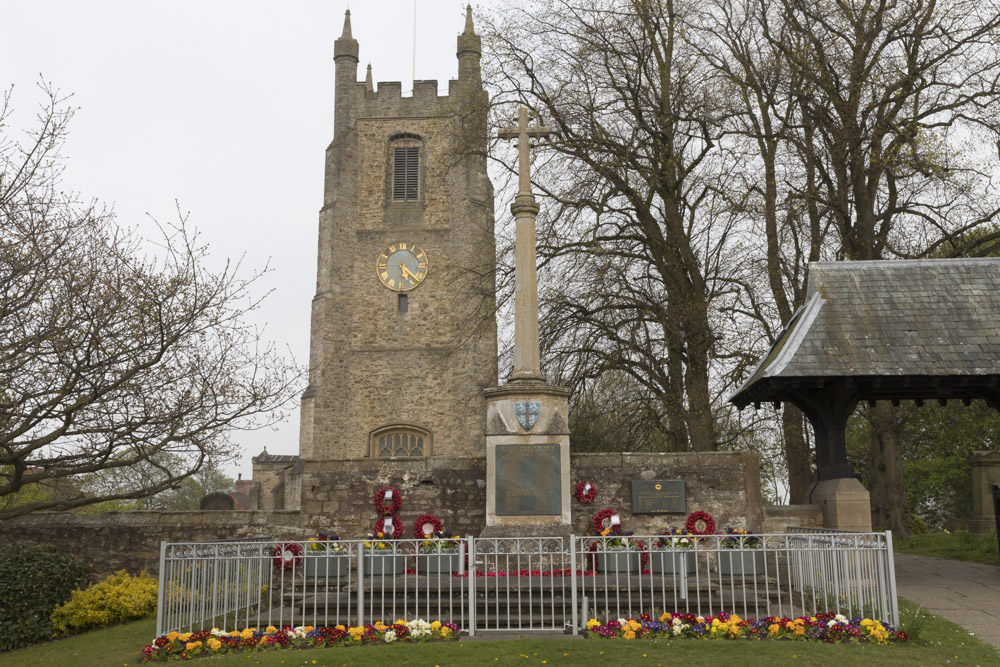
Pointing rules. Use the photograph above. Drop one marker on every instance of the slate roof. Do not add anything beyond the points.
(889, 319)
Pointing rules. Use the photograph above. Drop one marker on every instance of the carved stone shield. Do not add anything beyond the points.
(527, 413)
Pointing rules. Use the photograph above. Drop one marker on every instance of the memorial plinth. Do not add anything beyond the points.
(527, 459)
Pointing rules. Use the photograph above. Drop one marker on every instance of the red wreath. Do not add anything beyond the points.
(585, 496)
(287, 555)
(700, 523)
(599, 518)
(397, 500)
(397, 527)
(418, 525)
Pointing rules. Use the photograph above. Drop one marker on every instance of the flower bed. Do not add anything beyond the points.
(184, 646)
(823, 627)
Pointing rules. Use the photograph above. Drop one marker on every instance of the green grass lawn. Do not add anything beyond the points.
(937, 642)
(958, 546)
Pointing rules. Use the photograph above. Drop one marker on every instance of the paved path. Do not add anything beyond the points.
(964, 593)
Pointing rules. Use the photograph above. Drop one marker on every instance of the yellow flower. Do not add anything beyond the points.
(192, 645)
(234, 633)
(172, 635)
(445, 631)
(184, 637)
(341, 628)
(665, 616)
(247, 633)
(435, 626)
(628, 634)
(380, 626)
(773, 629)
(604, 533)
(308, 628)
(270, 629)
(214, 644)
(401, 622)
(633, 625)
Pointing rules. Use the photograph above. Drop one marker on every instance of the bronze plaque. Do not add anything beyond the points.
(528, 480)
(658, 496)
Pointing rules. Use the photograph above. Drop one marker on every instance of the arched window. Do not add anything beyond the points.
(406, 169)
(400, 441)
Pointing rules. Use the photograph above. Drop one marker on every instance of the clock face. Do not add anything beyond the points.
(401, 266)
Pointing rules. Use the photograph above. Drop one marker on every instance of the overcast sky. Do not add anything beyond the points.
(225, 107)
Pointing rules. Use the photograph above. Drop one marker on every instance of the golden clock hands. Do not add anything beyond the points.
(405, 271)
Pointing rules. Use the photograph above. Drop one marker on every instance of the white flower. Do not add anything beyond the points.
(390, 636)
(677, 630)
(677, 621)
(622, 621)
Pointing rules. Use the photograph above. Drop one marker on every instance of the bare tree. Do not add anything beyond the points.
(121, 374)
(631, 236)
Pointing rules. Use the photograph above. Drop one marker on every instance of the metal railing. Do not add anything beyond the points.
(525, 584)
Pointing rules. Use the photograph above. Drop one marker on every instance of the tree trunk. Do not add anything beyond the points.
(888, 493)
(800, 474)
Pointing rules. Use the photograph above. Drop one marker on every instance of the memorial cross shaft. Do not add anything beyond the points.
(527, 364)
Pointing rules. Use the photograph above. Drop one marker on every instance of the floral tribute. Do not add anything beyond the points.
(382, 527)
(188, 645)
(740, 538)
(674, 538)
(585, 492)
(700, 523)
(436, 542)
(825, 627)
(423, 522)
(388, 499)
(325, 542)
(287, 555)
(602, 521)
(379, 541)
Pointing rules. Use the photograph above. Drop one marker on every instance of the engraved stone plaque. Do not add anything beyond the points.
(658, 496)
(527, 480)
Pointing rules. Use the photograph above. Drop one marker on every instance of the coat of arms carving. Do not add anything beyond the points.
(527, 413)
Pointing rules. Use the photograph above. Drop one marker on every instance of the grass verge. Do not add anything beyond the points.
(957, 546)
(936, 641)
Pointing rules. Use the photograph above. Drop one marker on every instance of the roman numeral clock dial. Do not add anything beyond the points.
(401, 266)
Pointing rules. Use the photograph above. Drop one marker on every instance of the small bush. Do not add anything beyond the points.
(33, 580)
(119, 598)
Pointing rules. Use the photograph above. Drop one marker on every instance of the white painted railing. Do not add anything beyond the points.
(524, 584)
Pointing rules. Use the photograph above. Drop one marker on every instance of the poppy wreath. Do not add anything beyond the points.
(397, 500)
(418, 525)
(599, 518)
(287, 555)
(397, 527)
(583, 494)
(700, 523)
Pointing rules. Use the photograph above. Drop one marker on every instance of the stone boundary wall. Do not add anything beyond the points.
(725, 484)
(114, 541)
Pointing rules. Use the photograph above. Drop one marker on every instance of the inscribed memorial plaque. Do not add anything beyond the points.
(658, 496)
(528, 479)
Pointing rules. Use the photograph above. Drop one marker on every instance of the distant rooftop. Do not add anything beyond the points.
(894, 328)
(264, 457)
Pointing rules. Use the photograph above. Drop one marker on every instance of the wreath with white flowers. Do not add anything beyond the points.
(700, 523)
(287, 555)
(420, 525)
(585, 492)
(397, 527)
(395, 500)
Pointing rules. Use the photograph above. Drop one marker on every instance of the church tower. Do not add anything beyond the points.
(403, 338)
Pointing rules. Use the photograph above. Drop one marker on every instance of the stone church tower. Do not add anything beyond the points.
(404, 337)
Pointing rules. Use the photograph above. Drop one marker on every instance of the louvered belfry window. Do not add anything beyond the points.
(405, 173)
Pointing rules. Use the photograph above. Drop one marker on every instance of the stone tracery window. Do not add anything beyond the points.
(400, 441)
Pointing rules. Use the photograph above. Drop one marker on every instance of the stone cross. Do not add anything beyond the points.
(527, 365)
(523, 132)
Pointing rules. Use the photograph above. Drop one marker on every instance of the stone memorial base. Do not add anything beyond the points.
(846, 504)
(527, 459)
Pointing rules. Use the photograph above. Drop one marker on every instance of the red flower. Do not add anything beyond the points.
(393, 504)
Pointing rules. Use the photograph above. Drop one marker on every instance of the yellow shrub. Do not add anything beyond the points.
(119, 598)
